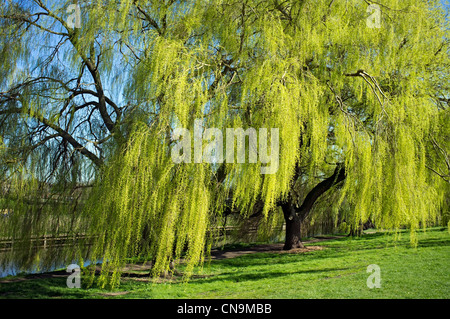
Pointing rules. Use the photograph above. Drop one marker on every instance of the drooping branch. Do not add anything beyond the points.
(61, 132)
(72, 35)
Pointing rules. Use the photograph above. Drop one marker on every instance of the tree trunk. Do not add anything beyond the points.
(294, 217)
(355, 231)
(293, 227)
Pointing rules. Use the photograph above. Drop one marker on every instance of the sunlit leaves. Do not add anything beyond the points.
(337, 90)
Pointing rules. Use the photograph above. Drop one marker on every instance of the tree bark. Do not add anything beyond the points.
(294, 217)
(293, 227)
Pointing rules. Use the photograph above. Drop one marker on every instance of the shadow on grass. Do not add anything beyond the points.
(238, 269)
(434, 242)
(381, 240)
(259, 275)
(38, 288)
(336, 247)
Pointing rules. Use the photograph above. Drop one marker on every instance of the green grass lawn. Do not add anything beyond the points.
(336, 271)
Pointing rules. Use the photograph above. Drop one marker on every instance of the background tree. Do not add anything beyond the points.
(94, 108)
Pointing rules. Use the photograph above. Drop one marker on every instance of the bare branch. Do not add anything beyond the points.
(64, 134)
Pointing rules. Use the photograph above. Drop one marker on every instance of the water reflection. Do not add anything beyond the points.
(12, 269)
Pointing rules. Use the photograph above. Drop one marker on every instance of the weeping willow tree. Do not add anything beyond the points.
(92, 94)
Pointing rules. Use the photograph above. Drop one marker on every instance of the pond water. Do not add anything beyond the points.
(10, 270)
(14, 269)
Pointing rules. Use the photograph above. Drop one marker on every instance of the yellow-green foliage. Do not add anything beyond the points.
(147, 206)
(291, 65)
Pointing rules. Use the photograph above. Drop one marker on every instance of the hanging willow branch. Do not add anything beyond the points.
(97, 106)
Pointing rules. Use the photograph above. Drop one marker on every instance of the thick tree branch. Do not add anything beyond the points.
(290, 208)
(62, 133)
